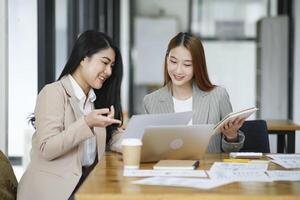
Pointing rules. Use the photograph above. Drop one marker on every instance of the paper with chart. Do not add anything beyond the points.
(137, 123)
(183, 182)
(284, 175)
(239, 166)
(164, 173)
(288, 161)
(239, 172)
(240, 176)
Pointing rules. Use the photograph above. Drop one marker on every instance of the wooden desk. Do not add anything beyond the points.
(106, 182)
(285, 131)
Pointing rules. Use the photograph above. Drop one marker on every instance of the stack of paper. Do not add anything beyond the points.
(288, 161)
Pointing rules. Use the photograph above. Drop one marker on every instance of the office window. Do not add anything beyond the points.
(227, 19)
(22, 45)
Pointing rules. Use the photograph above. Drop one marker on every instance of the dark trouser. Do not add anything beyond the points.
(85, 172)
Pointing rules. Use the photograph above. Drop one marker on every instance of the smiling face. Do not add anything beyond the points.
(94, 70)
(180, 66)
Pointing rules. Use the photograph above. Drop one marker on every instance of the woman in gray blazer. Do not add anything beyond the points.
(187, 87)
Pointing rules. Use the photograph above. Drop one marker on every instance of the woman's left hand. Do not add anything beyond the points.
(230, 129)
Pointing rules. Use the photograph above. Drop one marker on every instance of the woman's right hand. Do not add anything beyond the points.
(101, 117)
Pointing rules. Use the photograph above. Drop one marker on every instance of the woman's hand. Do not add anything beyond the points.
(101, 117)
(230, 129)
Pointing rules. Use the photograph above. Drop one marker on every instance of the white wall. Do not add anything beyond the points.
(212, 11)
(22, 70)
(178, 9)
(151, 38)
(155, 10)
(124, 48)
(3, 75)
(233, 65)
(297, 71)
(61, 40)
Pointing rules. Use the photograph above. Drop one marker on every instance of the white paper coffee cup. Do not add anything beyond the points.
(131, 149)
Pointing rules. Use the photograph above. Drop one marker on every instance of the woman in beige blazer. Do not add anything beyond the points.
(187, 87)
(76, 119)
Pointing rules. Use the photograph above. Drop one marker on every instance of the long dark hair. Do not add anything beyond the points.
(89, 43)
(195, 47)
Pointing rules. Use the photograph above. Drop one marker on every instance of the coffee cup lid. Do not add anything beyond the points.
(131, 141)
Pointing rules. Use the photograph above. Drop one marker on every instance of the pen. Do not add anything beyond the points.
(237, 160)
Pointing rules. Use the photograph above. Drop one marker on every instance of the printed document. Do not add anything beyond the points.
(288, 161)
(240, 176)
(224, 166)
(164, 173)
(183, 182)
(239, 171)
(283, 175)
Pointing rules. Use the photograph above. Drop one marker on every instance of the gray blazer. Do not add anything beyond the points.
(208, 108)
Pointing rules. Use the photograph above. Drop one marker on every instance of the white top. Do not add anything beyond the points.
(183, 106)
(86, 105)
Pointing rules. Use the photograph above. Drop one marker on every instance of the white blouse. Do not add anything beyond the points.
(86, 105)
(183, 106)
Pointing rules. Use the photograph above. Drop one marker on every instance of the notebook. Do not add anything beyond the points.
(233, 115)
(176, 164)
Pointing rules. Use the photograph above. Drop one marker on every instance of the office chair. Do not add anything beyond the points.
(8, 181)
(256, 136)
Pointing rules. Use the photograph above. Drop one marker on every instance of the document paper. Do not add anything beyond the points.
(183, 182)
(138, 123)
(239, 166)
(164, 173)
(239, 172)
(240, 176)
(288, 161)
(283, 175)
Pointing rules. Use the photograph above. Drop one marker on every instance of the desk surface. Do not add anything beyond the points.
(282, 125)
(106, 182)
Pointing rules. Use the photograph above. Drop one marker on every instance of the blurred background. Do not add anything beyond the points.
(250, 46)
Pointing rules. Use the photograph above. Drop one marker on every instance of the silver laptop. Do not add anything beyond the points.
(176, 142)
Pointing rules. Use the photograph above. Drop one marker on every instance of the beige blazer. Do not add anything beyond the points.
(57, 145)
(208, 108)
